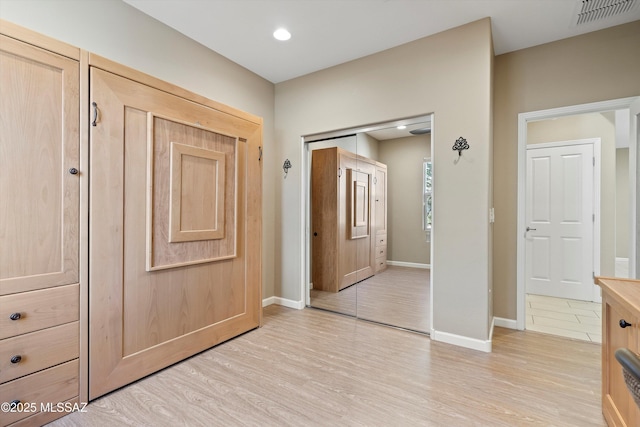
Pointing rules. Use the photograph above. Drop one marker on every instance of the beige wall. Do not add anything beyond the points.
(404, 157)
(582, 126)
(598, 66)
(448, 74)
(123, 34)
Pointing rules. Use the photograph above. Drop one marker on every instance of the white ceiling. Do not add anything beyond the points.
(330, 32)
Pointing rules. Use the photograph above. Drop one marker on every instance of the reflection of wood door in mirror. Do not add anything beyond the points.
(174, 227)
(358, 203)
(341, 216)
(354, 239)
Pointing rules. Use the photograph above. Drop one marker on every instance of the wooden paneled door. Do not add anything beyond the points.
(175, 225)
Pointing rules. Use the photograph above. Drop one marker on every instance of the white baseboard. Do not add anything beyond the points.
(505, 323)
(408, 264)
(298, 305)
(459, 340)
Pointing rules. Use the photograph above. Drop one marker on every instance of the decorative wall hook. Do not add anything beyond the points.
(286, 166)
(461, 144)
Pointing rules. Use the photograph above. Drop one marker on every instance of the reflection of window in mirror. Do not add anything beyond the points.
(427, 197)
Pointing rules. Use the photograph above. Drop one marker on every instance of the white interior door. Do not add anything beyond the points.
(559, 216)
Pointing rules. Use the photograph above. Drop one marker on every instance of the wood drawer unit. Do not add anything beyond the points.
(620, 329)
(53, 385)
(381, 264)
(381, 252)
(29, 353)
(380, 190)
(37, 310)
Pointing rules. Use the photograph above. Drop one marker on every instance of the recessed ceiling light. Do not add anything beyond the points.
(282, 34)
(401, 127)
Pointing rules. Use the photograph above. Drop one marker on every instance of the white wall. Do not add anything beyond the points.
(123, 34)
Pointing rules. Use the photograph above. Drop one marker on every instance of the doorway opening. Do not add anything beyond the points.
(614, 239)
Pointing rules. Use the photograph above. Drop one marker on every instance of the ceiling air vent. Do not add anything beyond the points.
(595, 10)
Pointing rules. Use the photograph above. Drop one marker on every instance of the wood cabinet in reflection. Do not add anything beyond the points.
(348, 208)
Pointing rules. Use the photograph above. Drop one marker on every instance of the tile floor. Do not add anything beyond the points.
(565, 317)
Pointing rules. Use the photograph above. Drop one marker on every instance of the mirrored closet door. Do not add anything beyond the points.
(369, 223)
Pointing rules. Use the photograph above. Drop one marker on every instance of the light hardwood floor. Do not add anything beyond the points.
(397, 296)
(314, 368)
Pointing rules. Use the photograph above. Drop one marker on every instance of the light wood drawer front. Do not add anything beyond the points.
(38, 310)
(381, 251)
(381, 240)
(57, 384)
(381, 264)
(29, 353)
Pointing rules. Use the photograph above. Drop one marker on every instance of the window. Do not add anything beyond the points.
(427, 194)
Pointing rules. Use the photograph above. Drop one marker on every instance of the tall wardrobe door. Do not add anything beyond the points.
(39, 146)
(175, 231)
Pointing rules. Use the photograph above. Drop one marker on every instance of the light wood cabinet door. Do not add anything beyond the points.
(175, 229)
(39, 146)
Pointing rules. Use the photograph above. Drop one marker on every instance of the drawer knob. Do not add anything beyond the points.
(14, 404)
(16, 359)
(624, 323)
(73, 171)
(15, 316)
